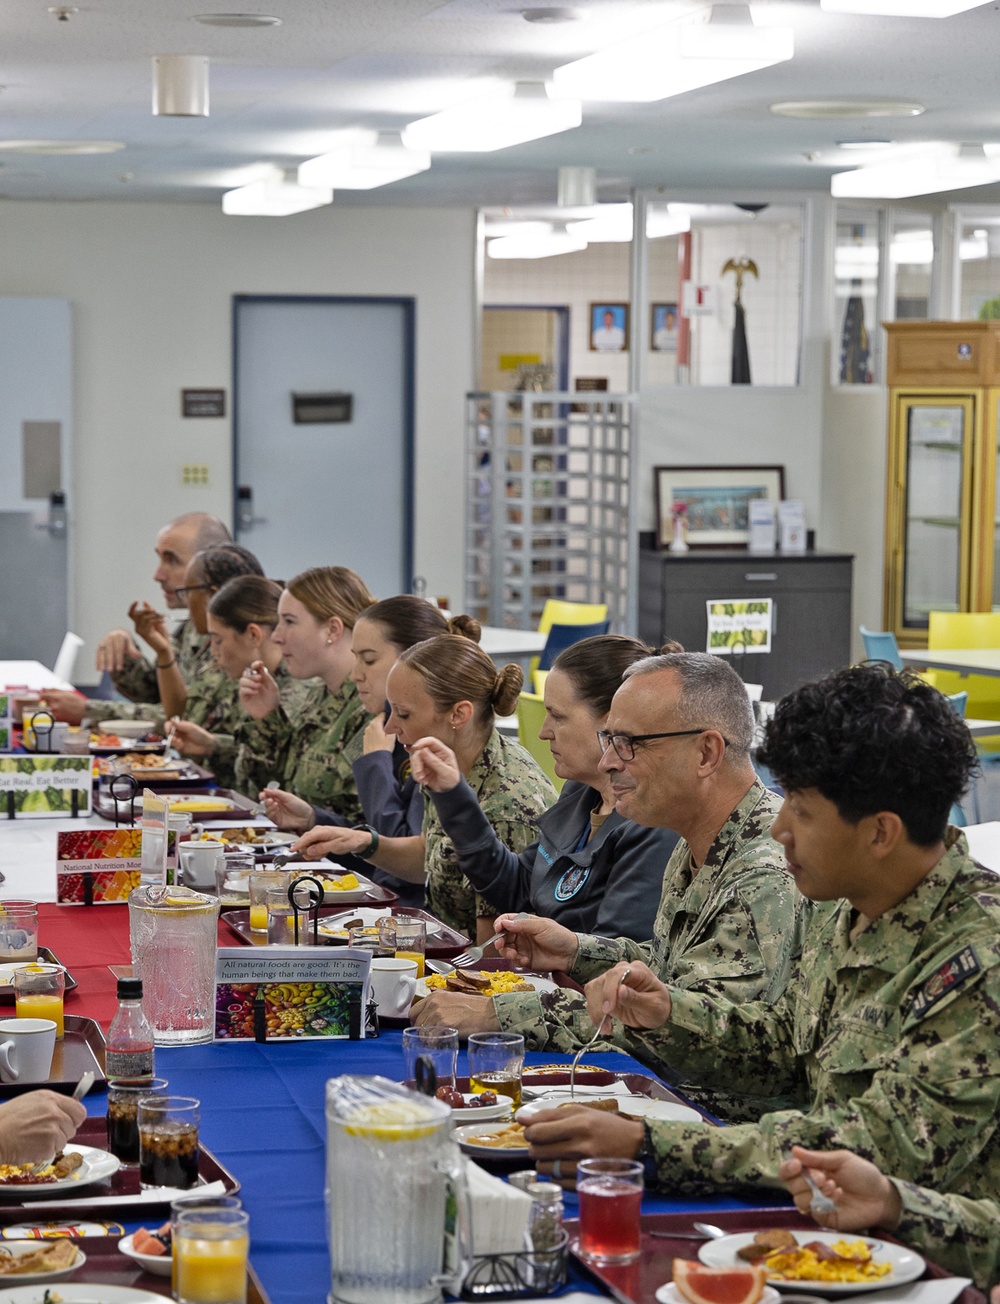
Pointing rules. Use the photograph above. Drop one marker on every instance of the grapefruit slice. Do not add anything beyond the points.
(701, 1285)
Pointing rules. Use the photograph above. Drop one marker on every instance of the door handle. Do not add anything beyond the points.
(245, 519)
(760, 576)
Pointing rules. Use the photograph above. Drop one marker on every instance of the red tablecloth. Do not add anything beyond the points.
(86, 939)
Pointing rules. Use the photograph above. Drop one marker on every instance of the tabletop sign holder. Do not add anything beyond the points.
(45, 787)
(97, 867)
(314, 891)
(121, 789)
(290, 993)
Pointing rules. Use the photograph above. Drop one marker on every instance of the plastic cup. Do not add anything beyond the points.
(610, 1195)
(38, 993)
(211, 1246)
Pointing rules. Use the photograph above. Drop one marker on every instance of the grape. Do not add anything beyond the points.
(488, 1098)
(443, 1093)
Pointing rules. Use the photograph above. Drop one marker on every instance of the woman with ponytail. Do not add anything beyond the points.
(448, 688)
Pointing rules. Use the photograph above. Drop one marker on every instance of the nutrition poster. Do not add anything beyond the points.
(289, 993)
(739, 625)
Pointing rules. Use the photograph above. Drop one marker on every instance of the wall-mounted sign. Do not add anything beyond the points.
(203, 402)
(699, 300)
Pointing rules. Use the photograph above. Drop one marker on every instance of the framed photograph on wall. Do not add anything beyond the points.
(663, 327)
(714, 500)
(609, 327)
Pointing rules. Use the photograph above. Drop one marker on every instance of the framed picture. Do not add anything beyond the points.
(716, 501)
(609, 327)
(663, 328)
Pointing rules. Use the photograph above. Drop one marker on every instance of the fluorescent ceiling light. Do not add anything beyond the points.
(274, 197)
(974, 247)
(61, 146)
(611, 224)
(823, 109)
(912, 247)
(523, 112)
(364, 160)
(536, 244)
(664, 221)
(237, 20)
(677, 58)
(933, 167)
(902, 8)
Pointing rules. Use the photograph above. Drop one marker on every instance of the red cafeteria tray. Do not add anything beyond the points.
(638, 1282)
(442, 942)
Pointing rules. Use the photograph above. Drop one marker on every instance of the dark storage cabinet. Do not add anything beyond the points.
(811, 594)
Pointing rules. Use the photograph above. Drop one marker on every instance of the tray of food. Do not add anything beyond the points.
(484, 982)
(114, 1192)
(124, 1275)
(442, 941)
(205, 805)
(262, 841)
(654, 1279)
(80, 1051)
(112, 744)
(155, 771)
(45, 956)
(637, 1094)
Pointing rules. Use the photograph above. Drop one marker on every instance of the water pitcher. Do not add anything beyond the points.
(396, 1194)
(173, 934)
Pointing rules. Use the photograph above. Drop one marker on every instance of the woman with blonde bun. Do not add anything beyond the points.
(448, 688)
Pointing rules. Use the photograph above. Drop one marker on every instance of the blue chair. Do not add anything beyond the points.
(881, 646)
(561, 637)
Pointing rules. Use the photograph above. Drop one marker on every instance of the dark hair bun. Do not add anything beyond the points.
(507, 689)
(671, 646)
(466, 626)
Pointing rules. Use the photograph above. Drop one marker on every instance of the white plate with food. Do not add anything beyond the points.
(663, 1111)
(333, 925)
(489, 1140)
(160, 1265)
(33, 1262)
(94, 1166)
(484, 982)
(80, 1293)
(466, 1109)
(339, 884)
(858, 1276)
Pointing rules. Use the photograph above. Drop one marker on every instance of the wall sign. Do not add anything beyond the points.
(203, 402)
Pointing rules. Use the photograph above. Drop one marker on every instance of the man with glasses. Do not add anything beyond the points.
(677, 750)
(886, 1036)
(118, 652)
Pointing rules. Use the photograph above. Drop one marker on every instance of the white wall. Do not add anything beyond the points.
(151, 287)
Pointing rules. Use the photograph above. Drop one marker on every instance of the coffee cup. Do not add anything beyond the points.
(26, 1047)
(198, 862)
(394, 983)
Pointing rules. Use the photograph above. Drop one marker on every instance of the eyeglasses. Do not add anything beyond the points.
(190, 588)
(624, 744)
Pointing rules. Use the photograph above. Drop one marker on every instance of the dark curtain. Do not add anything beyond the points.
(741, 354)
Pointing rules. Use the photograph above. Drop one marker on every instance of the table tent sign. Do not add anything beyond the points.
(6, 723)
(739, 625)
(44, 787)
(291, 993)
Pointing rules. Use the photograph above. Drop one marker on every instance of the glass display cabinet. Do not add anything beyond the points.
(941, 538)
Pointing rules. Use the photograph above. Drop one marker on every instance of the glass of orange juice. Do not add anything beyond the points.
(38, 993)
(259, 881)
(405, 938)
(211, 1246)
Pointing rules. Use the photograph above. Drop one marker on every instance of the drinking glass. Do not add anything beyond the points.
(168, 1141)
(232, 875)
(405, 938)
(439, 1045)
(495, 1063)
(610, 1195)
(18, 931)
(280, 917)
(181, 1205)
(38, 993)
(211, 1245)
(369, 939)
(124, 1095)
(260, 881)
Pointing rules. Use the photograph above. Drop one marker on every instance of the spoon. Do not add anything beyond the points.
(705, 1232)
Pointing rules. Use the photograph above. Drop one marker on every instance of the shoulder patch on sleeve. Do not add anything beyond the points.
(955, 971)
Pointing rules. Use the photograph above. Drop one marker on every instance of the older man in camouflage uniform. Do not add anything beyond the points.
(887, 1032)
(729, 920)
(119, 654)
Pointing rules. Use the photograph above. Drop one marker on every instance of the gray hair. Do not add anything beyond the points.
(208, 530)
(713, 696)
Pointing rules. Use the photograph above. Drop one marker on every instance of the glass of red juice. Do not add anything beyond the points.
(610, 1194)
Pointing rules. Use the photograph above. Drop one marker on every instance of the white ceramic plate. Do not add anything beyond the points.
(666, 1111)
(331, 926)
(160, 1265)
(669, 1294)
(540, 984)
(7, 971)
(906, 1266)
(463, 1136)
(127, 728)
(97, 1164)
(82, 1293)
(36, 1278)
(483, 1113)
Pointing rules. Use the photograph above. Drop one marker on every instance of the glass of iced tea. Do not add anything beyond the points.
(610, 1195)
(168, 1141)
(124, 1095)
(211, 1245)
(495, 1063)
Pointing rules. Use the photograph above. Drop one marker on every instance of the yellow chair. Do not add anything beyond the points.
(968, 629)
(530, 714)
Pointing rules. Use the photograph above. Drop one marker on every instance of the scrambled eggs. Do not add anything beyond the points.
(501, 980)
(803, 1264)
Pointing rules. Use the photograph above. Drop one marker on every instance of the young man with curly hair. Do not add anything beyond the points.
(885, 1039)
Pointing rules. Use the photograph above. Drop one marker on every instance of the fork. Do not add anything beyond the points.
(583, 1049)
(473, 954)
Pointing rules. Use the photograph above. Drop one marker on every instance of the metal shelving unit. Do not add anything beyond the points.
(548, 505)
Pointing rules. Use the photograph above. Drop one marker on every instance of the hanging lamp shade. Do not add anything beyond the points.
(180, 85)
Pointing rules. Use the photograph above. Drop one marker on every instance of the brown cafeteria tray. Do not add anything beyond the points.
(192, 776)
(124, 1185)
(80, 1051)
(45, 956)
(107, 1266)
(104, 804)
(442, 942)
(638, 1282)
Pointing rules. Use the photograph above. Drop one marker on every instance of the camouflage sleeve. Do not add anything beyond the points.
(548, 1020)
(921, 1105)
(596, 954)
(98, 710)
(959, 1234)
(259, 748)
(137, 681)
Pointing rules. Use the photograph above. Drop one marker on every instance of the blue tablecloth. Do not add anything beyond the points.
(263, 1117)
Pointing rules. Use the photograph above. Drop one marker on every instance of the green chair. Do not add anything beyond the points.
(530, 714)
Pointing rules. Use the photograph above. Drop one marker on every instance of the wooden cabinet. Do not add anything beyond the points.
(811, 611)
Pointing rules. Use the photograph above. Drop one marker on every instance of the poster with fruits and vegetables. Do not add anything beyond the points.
(739, 625)
(36, 787)
(97, 866)
(290, 993)
(5, 723)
